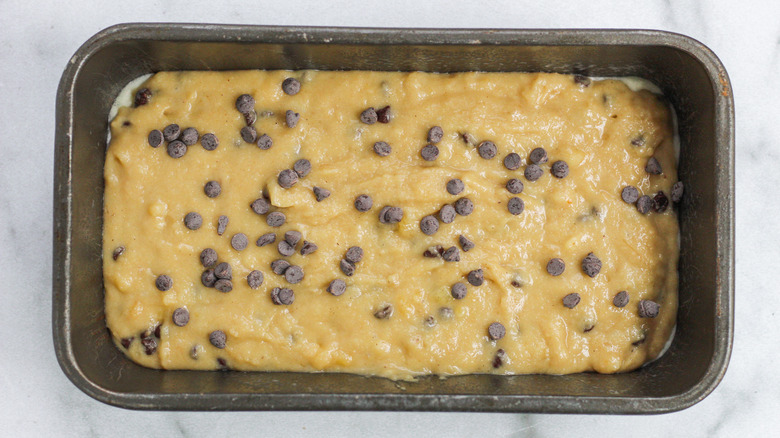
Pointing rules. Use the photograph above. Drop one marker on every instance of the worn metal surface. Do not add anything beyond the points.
(690, 75)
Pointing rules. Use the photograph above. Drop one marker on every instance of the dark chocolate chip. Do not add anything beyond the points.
(465, 244)
(660, 202)
(149, 344)
(591, 265)
(278, 266)
(560, 169)
(320, 194)
(464, 206)
(157, 330)
(447, 214)
(142, 96)
(487, 150)
(193, 220)
(644, 204)
(266, 239)
(287, 178)
(677, 191)
(291, 118)
(369, 116)
(264, 142)
(570, 301)
(347, 267)
(435, 134)
(429, 225)
(512, 161)
(337, 287)
(384, 312)
(118, 251)
(382, 149)
(208, 257)
(275, 219)
(588, 327)
(223, 285)
(538, 156)
(499, 358)
(171, 132)
(302, 167)
(363, 203)
(255, 279)
(383, 115)
(249, 134)
(653, 167)
(469, 139)
(455, 186)
(291, 86)
(181, 316)
(189, 136)
(429, 321)
(285, 248)
(155, 138)
(194, 352)
(208, 278)
(293, 274)
(391, 215)
(581, 80)
(496, 331)
(223, 270)
(250, 118)
(293, 237)
(218, 339)
(163, 282)
(458, 291)
(308, 247)
(222, 224)
(354, 254)
(533, 172)
(476, 277)
(638, 141)
(629, 194)
(239, 241)
(260, 206)
(648, 309)
(176, 149)
(282, 296)
(222, 364)
(434, 251)
(451, 254)
(245, 104)
(429, 152)
(209, 141)
(446, 313)
(516, 283)
(555, 267)
(621, 299)
(514, 186)
(212, 189)
(515, 205)
(127, 341)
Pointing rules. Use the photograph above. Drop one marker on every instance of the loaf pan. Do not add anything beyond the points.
(689, 74)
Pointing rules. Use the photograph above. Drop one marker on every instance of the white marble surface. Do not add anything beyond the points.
(36, 40)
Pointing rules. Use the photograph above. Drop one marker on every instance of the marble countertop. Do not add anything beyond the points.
(38, 38)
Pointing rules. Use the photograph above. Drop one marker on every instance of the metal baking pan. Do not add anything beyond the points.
(690, 75)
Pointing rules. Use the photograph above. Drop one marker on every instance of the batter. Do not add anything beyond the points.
(391, 224)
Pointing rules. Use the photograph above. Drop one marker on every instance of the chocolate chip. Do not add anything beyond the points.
(171, 132)
(249, 134)
(293, 237)
(451, 254)
(383, 115)
(429, 225)
(476, 277)
(469, 139)
(278, 266)
(570, 301)
(239, 241)
(391, 215)
(127, 341)
(629, 194)
(287, 178)
(149, 344)
(208, 257)
(354, 254)
(429, 321)
(458, 291)
(560, 169)
(496, 331)
(193, 220)
(591, 265)
(157, 330)
(189, 136)
(282, 296)
(555, 267)
(176, 149)
(487, 150)
(245, 104)
(194, 352)
(382, 149)
(212, 189)
(638, 140)
(435, 134)
(660, 202)
(181, 316)
(218, 339)
(337, 287)
(155, 138)
(648, 309)
(208, 278)
(538, 156)
(163, 283)
(142, 96)
(514, 186)
(533, 172)
(291, 86)
(222, 224)
(118, 251)
(644, 204)
(260, 206)
(266, 239)
(464, 206)
(384, 312)
(512, 161)
(455, 186)
(588, 327)
(465, 244)
(621, 299)
(446, 313)
(581, 80)
(255, 279)
(209, 141)
(222, 364)
(223, 285)
(429, 152)
(653, 167)
(347, 267)
(677, 191)
(291, 118)
(320, 194)
(515, 205)
(223, 270)
(264, 142)
(369, 116)
(250, 118)
(302, 167)
(363, 203)
(499, 358)
(275, 219)
(293, 274)
(447, 214)
(308, 247)
(516, 283)
(285, 248)
(434, 251)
